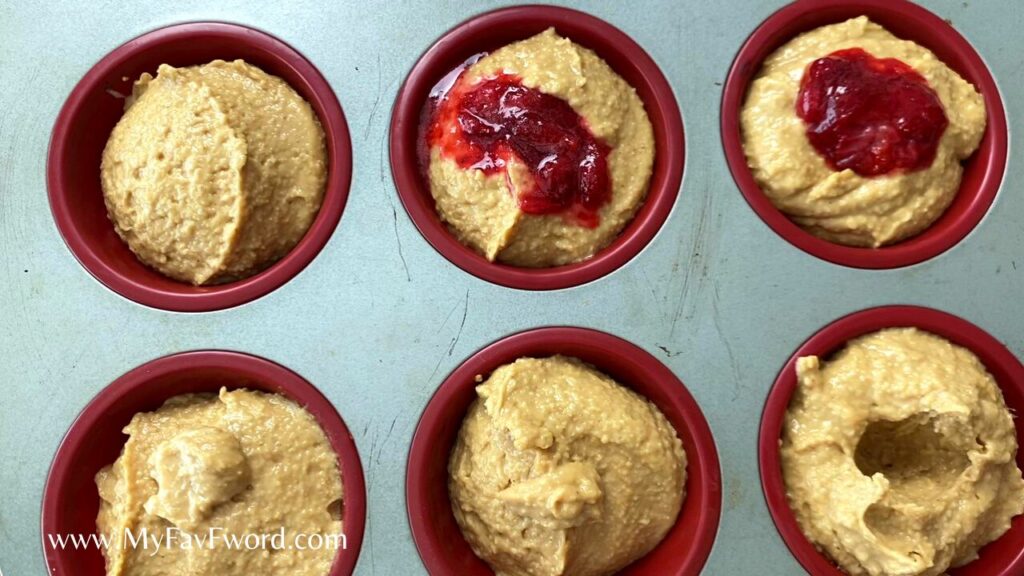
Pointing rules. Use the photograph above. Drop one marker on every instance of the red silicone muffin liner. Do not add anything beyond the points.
(438, 538)
(983, 172)
(95, 106)
(95, 440)
(492, 30)
(1005, 556)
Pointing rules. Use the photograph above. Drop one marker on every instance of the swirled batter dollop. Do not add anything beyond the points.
(234, 484)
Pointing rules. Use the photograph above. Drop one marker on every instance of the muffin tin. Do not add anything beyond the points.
(379, 318)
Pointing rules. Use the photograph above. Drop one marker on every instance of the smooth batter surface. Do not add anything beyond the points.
(559, 470)
(239, 463)
(899, 455)
(842, 206)
(214, 172)
(482, 210)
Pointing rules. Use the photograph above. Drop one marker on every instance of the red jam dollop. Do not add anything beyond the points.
(870, 115)
(484, 125)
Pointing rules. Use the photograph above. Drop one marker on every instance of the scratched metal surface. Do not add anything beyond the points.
(379, 318)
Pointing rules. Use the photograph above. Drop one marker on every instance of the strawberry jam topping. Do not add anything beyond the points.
(870, 115)
(485, 125)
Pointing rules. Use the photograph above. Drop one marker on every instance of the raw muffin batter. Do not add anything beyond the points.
(899, 455)
(538, 154)
(238, 464)
(559, 470)
(214, 172)
(875, 106)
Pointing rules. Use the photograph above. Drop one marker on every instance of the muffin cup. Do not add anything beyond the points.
(1005, 556)
(438, 537)
(71, 500)
(488, 32)
(983, 171)
(95, 106)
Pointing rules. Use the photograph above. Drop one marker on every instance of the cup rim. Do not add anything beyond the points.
(930, 243)
(702, 456)
(217, 297)
(831, 339)
(664, 184)
(290, 384)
